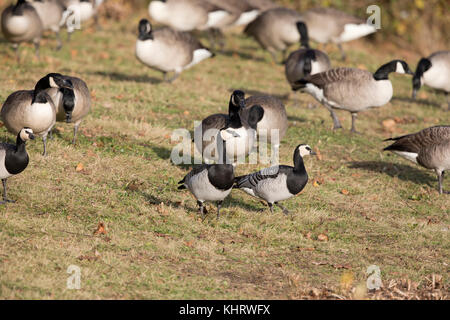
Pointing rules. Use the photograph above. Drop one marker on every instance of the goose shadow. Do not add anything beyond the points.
(242, 55)
(401, 171)
(117, 76)
(417, 101)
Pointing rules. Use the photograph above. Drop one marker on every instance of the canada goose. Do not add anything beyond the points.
(187, 15)
(72, 105)
(330, 25)
(21, 23)
(241, 12)
(14, 158)
(275, 30)
(238, 147)
(33, 108)
(212, 182)
(51, 13)
(433, 71)
(352, 89)
(279, 182)
(274, 119)
(429, 148)
(305, 61)
(167, 50)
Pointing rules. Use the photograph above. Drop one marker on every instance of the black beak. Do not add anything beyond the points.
(409, 72)
(31, 136)
(68, 117)
(313, 153)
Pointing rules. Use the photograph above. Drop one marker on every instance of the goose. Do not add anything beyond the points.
(241, 12)
(72, 105)
(237, 148)
(80, 11)
(429, 148)
(187, 15)
(331, 25)
(262, 5)
(433, 71)
(274, 119)
(212, 182)
(275, 30)
(21, 23)
(279, 182)
(167, 50)
(50, 12)
(33, 108)
(14, 158)
(305, 61)
(352, 89)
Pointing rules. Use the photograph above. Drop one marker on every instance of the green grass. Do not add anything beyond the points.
(156, 246)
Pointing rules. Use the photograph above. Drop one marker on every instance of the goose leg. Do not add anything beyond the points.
(37, 46)
(75, 130)
(440, 175)
(354, 116)
(274, 56)
(448, 101)
(58, 39)
(219, 205)
(5, 197)
(285, 211)
(15, 47)
(270, 207)
(44, 140)
(170, 80)
(201, 209)
(336, 122)
(343, 55)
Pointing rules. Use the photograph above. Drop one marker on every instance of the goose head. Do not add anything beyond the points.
(145, 30)
(26, 134)
(305, 150)
(417, 81)
(53, 80)
(68, 102)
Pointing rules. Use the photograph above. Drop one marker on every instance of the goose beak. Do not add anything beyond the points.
(68, 117)
(31, 136)
(409, 72)
(313, 153)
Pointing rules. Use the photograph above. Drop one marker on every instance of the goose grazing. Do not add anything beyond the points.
(330, 25)
(21, 23)
(212, 182)
(72, 105)
(50, 12)
(275, 30)
(33, 108)
(14, 158)
(429, 148)
(305, 61)
(279, 182)
(274, 122)
(167, 50)
(352, 89)
(433, 71)
(238, 147)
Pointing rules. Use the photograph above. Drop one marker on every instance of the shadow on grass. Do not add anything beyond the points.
(401, 171)
(418, 101)
(127, 77)
(241, 55)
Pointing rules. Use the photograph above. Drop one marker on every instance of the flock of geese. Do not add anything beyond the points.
(225, 138)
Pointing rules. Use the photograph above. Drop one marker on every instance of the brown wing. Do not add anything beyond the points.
(417, 141)
(338, 74)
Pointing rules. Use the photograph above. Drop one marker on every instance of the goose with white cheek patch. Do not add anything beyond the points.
(277, 183)
(305, 61)
(212, 182)
(429, 148)
(72, 105)
(33, 108)
(433, 71)
(352, 89)
(14, 158)
(21, 23)
(239, 147)
(167, 50)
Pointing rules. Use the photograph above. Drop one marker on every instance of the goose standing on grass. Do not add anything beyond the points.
(429, 148)
(305, 61)
(274, 122)
(352, 89)
(279, 182)
(275, 30)
(330, 25)
(205, 133)
(51, 13)
(14, 158)
(33, 108)
(167, 50)
(21, 23)
(433, 71)
(72, 105)
(212, 182)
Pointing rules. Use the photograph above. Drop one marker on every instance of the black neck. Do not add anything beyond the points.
(304, 38)
(423, 66)
(299, 166)
(383, 72)
(18, 8)
(222, 149)
(20, 144)
(310, 55)
(233, 115)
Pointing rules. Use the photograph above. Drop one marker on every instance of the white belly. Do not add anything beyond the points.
(240, 146)
(4, 174)
(39, 117)
(355, 31)
(203, 190)
(157, 55)
(273, 190)
(17, 25)
(437, 77)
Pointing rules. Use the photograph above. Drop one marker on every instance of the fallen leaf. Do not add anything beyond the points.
(322, 237)
(389, 125)
(79, 167)
(345, 192)
(100, 229)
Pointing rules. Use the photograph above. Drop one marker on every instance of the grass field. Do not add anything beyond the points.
(361, 207)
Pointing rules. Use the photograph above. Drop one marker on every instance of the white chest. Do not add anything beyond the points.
(438, 77)
(203, 190)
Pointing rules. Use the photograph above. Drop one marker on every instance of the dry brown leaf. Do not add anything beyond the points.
(322, 237)
(79, 167)
(345, 192)
(100, 229)
(389, 125)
